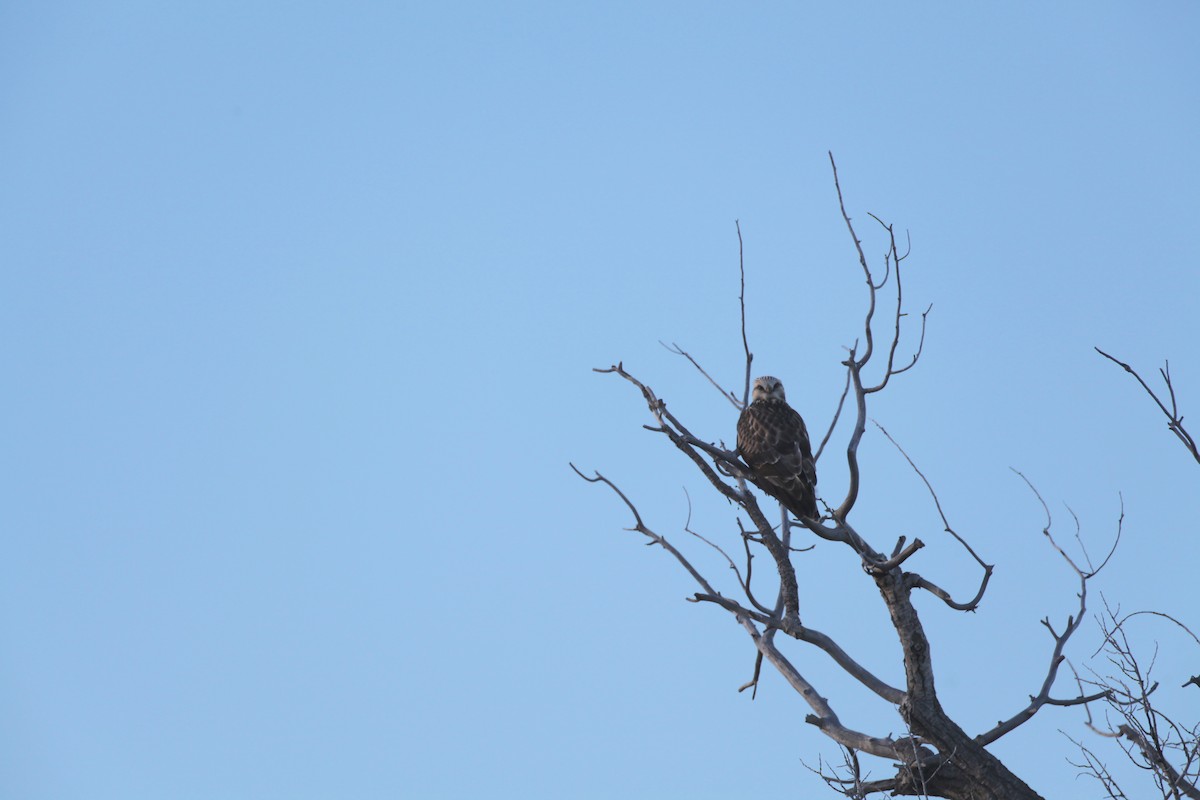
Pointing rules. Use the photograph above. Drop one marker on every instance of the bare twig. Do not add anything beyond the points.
(892, 255)
(744, 584)
(641, 528)
(1170, 752)
(1116, 540)
(1094, 765)
(753, 682)
(987, 568)
(728, 395)
(742, 305)
(852, 786)
(1036, 702)
(862, 260)
(1133, 614)
(1174, 418)
(833, 423)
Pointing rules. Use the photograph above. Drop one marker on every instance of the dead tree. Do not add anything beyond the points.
(1164, 748)
(935, 757)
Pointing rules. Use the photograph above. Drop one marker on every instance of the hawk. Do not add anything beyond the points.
(772, 438)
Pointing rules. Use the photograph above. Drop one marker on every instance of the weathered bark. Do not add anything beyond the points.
(961, 768)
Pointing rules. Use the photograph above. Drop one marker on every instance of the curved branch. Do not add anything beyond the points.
(916, 581)
(921, 582)
(850, 666)
(890, 255)
(1060, 641)
(743, 583)
(860, 424)
(1127, 617)
(1174, 418)
(936, 502)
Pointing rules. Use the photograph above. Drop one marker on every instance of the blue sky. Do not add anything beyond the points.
(300, 307)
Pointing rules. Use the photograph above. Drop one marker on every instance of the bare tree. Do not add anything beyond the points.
(1165, 749)
(935, 756)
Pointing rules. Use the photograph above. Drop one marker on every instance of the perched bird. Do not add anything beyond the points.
(772, 438)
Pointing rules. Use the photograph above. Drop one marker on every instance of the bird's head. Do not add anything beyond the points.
(768, 387)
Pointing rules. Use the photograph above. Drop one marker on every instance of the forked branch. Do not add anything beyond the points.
(857, 362)
(823, 716)
(1174, 418)
(1042, 698)
(1169, 751)
(688, 444)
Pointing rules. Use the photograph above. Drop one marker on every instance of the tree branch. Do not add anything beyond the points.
(683, 439)
(1157, 760)
(1060, 640)
(1174, 418)
(862, 260)
(814, 637)
(744, 584)
(1170, 752)
(856, 363)
(742, 305)
(917, 582)
(641, 528)
(833, 423)
(860, 402)
(679, 351)
(892, 255)
(921, 582)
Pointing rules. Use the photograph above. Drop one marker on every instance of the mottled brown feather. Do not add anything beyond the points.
(773, 440)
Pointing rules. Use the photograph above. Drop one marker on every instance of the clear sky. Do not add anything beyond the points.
(300, 305)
